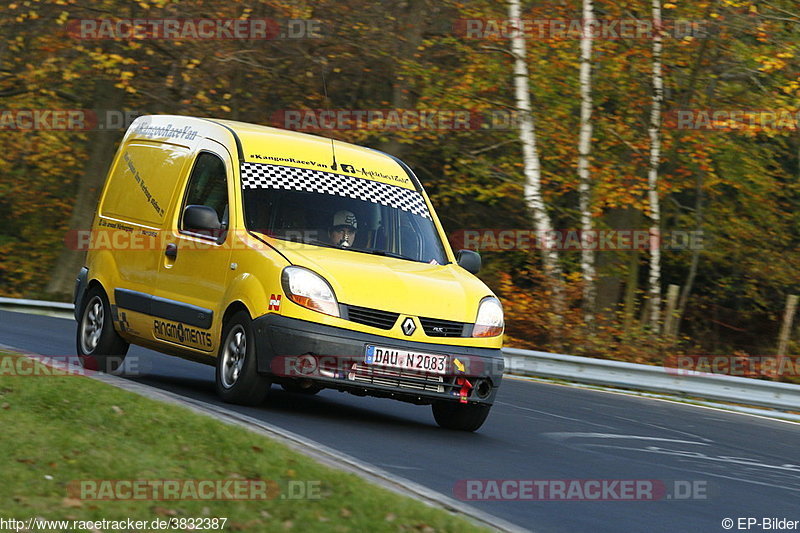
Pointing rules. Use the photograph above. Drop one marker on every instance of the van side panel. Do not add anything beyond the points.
(142, 183)
(128, 233)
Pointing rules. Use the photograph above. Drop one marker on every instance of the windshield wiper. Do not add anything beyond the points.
(325, 244)
(298, 240)
(384, 253)
(317, 242)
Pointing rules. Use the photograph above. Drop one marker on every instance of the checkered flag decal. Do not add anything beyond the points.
(266, 176)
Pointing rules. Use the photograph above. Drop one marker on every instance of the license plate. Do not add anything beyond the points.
(403, 359)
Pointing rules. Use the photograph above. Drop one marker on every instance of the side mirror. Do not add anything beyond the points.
(469, 261)
(200, 219)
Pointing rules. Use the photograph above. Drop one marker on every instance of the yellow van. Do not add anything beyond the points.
(285, 258)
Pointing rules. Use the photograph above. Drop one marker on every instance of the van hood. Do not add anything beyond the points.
(407, 287)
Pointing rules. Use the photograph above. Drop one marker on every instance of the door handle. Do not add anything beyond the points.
(171, 251)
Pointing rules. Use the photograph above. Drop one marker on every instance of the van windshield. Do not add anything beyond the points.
(333, 210)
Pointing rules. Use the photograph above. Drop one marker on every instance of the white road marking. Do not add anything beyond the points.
(569, 435)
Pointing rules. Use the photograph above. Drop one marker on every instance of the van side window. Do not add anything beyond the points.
(208, 185)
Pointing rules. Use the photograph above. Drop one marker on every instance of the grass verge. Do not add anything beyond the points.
(55, 431)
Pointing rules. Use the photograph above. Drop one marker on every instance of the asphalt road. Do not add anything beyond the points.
(712, 464)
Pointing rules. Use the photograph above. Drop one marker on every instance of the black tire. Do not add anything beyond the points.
(99, 346)
(462, 417)
(296, 388)
(238, 380)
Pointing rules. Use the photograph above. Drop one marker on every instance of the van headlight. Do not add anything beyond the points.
(490, 318)
(310, 290)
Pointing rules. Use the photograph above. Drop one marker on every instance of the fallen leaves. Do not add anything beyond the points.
(71, 502)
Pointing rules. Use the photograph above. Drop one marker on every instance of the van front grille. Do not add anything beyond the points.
(435, 327)
(372, 317)
(401, 379)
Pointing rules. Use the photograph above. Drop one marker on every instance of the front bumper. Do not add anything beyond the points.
(334, 358)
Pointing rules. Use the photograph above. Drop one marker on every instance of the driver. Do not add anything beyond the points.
(342, 232)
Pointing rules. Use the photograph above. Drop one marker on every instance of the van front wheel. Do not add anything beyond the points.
(462, 417)
(98, 344)
(238, 380)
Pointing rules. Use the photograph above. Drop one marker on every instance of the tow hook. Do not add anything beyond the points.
(466, 386)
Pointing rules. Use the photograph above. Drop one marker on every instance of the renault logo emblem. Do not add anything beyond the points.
(408, 326)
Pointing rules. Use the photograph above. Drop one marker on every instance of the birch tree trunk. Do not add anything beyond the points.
(584, 177)
(532, 166)
(652, 175)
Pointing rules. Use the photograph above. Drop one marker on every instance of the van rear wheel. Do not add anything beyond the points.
(98, 344)
(238, 380)
(459, 416)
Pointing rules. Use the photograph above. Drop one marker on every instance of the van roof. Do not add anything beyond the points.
(276, 147)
